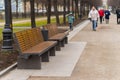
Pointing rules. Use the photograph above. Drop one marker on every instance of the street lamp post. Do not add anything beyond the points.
(7, 32)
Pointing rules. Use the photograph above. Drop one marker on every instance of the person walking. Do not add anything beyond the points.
(107, 16)
(118, 15)
(70, 20)
(101, 13)
(93, 15)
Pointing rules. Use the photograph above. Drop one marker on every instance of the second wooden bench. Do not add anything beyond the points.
(54, 35)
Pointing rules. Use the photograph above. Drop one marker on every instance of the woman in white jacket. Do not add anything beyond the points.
(93, 15)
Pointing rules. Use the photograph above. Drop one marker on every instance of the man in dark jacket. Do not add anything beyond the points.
(107, 16)
(118, 15)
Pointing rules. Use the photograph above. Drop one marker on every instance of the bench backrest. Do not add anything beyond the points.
(28, 38)
(52, 29)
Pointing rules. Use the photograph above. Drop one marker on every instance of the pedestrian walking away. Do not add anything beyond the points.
(101, 13)
(118, 15)
(107, 16)
(93, 16)
(70, 20)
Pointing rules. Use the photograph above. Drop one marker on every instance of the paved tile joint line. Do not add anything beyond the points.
(66, 56)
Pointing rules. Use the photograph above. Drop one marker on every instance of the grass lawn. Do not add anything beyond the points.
(28, 24)
(20, 19)
(1, 33)
(38, 23)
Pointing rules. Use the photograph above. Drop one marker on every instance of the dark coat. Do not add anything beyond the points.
(118, 13)
(107, 14)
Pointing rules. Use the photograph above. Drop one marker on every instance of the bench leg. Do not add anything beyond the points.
(58, 46)
(45, 57)
(33, 62)
(66, 40)
(52, 51)
(62, 43)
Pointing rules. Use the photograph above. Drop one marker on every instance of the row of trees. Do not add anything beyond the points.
(114, 3)
(79, 7)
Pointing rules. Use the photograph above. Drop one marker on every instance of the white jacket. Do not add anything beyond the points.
(93, 14)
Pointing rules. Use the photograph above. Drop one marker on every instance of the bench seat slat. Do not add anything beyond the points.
(40, 48)
(59, 36)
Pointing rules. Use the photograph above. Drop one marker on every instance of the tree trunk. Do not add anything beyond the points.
(16, 8)
(64, 13)
(76, 9)
(72, 5)
(68, 6)
(33, 24)
(37, 4)
(56, 12)
(49, 12)
(80, 9)
(84, 8)
(25, 8)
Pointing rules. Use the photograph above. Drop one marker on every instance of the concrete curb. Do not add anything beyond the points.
(77, 28)
(81, 23)
(8, 69)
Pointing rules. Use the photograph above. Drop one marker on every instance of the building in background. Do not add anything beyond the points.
(2, 5)
(20, 6)
(13, 6)
(2, 9)
(13, 3)
(105, 4)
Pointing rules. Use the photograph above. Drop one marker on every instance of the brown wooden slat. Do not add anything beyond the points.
(29, 38)
(21, 40)
(41, 47)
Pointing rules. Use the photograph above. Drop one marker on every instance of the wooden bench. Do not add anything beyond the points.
(33, 49)
(54, 35)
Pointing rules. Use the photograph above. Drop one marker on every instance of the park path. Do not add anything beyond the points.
(100, 59)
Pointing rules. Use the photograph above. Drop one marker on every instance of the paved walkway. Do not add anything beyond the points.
(101, 58)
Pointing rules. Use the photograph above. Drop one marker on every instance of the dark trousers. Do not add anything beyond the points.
(118, 20)
(101, 18)
(71, 26)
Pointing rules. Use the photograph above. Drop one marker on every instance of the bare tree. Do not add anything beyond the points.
(25, 8)
(33, 24)
(56, 11)
(16, 8)
(49, 12)
(64, 12)
(114, 3)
